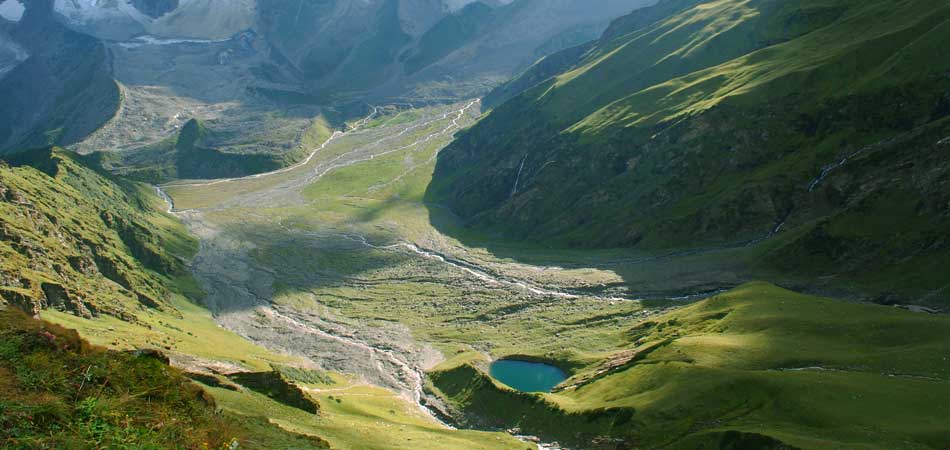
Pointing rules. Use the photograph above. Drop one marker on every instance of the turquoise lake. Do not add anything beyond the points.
(527, 376)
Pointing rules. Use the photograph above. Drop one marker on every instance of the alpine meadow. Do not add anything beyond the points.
(475, 224)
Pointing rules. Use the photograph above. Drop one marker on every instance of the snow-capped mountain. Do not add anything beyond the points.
(200, 54)
(123, 19)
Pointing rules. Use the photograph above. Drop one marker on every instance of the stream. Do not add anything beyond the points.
(240, 289)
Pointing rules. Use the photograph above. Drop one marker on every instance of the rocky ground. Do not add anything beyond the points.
(223, 83)
(241, 289)
(283, 276)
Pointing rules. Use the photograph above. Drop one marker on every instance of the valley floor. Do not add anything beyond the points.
(339, 263)
(335, 260)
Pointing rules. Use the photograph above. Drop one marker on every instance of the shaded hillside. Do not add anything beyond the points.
(61, 93)
(11, 53)
(447, 35)
(730, 372)
(258, 68)
(419, 48)
(478, 47)
(333, 42)
(821, 124)
(197, 152)
(79, 240)
(542, 70)
(155, 8)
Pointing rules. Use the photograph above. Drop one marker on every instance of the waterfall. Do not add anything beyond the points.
(514, 190)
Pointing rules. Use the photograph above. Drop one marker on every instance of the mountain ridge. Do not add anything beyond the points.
(726, 142)
(261, 66)
(707, 224)
(77, 239)
(62, 92)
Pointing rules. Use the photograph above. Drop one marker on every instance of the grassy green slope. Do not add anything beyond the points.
(69, 227)
(43, 186)
(80, 240)
(95, 252)
(362, 417)
(707, 123)
(757, 367)
(56, 391)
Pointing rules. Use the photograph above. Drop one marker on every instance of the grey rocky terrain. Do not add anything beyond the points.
(262, 70)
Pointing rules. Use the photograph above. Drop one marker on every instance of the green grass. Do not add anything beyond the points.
(813, 373)
(59, 392)
(701, 124)
(706, 376)
(357, 416)
(78, 239)
(352, 415)
(190, 332)
(189, 197)
(383, 199)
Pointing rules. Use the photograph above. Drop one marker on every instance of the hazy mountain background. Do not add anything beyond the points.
(628, 212)
(261, 74)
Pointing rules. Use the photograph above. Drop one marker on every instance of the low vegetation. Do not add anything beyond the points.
(80, 240)
(707, 124)
(58, 391)
(724, 373)
(278, 387)
(758, 366)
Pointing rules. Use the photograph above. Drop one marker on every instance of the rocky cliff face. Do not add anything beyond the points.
(155, 8)
(217, 19)
(360, 47)
(11, 54)
(229, 62)
(63, 92)
(124, 19)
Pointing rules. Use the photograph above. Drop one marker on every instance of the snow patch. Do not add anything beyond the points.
(97, 13)
(142, 41)
(12, 10)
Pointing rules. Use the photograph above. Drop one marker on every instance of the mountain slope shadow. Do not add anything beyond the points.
(62, 92)
(730, 146)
